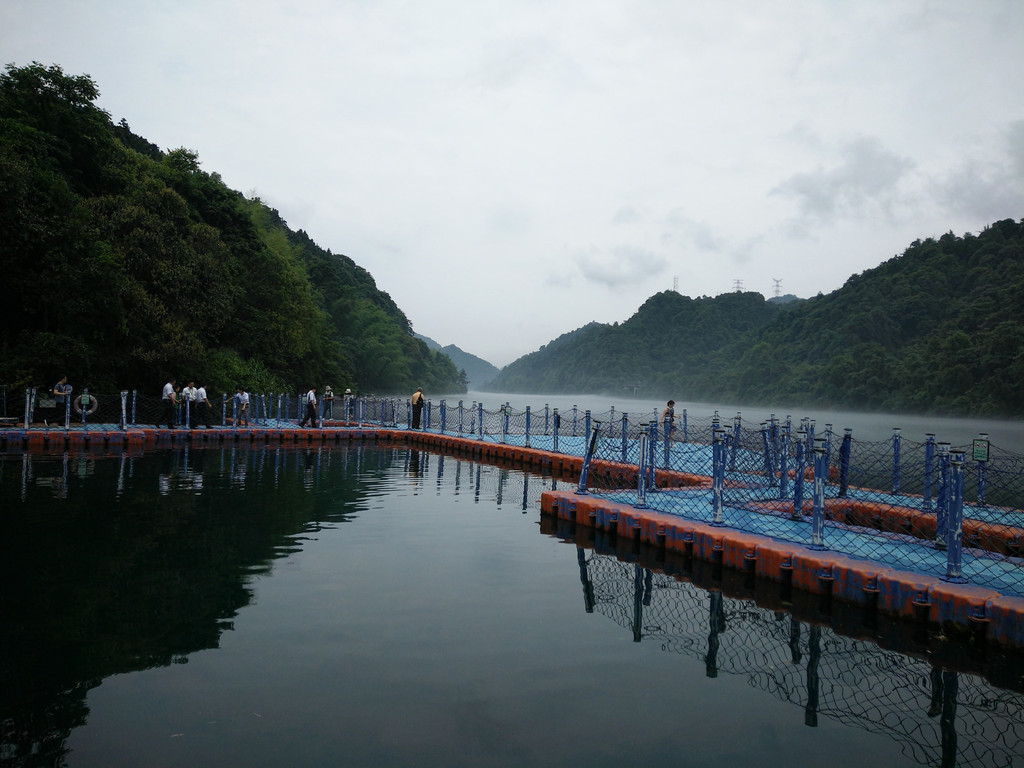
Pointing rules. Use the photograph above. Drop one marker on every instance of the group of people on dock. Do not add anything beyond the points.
(195, 400)
(198, 402)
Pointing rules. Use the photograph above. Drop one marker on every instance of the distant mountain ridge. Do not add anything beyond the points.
(938, 329)
(479, 372)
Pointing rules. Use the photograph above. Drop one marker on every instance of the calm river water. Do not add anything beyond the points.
(379, 606)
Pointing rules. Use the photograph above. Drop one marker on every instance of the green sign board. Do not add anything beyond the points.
(980, 450)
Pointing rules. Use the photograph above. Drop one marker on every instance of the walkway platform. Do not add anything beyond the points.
(986, 614)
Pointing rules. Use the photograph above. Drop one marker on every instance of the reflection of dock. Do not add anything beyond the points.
(919, 695)
(985, 613)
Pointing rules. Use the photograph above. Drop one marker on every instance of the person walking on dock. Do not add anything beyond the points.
(310, 409)
(417, 407)
(168, 400)
(243, 407)
(203, 407)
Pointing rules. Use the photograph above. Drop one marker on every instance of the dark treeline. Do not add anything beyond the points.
(123, 265)
(938, 329)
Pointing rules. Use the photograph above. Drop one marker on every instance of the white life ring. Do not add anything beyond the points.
(93, 405)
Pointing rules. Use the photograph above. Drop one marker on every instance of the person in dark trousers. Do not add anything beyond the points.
(61, 391)
(417, 407)
(168, 400)
(668, 419)
(203, 406)
(310, 409)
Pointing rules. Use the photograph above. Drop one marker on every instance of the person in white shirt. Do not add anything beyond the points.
(188, 404)
(242, 398)
(203, 406)
(310, 408)
(167, 402)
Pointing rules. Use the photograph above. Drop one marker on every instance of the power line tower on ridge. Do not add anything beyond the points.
(778, 286)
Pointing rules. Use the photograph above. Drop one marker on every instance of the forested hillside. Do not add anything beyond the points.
(938, 329)
(475, 370)
(123, 265)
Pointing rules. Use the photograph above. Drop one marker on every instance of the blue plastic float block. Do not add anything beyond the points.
(959, 604)
(1005, 617)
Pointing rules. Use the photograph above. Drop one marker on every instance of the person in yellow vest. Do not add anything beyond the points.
(417, 407)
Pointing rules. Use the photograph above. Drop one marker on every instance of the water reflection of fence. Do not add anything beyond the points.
(949, 511)
(936, 713)
(57, 472)
(939, 716)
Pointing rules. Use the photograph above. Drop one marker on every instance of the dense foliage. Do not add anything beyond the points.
(123, 265)
(938, 329)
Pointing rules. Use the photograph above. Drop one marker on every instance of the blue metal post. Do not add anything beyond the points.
(504, 423)
(480, 419)
(652, 430)
(820, 473)
(625, 434)
(223, 408)
(67, 408)
(769, 469)
(641, 475)
(844, 462)
(444, 416)
(737, 425)
(124, 409)
(582, 487)
(982, 473)
(784, 462)
(929, 469)
(718, 475)
(575, 419)
(586, 422)
(611, 423)
(556, 424)
(942, 501)
(896, 442)
(667, 426)
(30, 396)
(461, 418)
(798, 478)
(547, 419)
(528, 419)
(954, 536)
(686, 433)
(135, 397)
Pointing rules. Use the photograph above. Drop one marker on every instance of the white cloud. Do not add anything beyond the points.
(512, 171)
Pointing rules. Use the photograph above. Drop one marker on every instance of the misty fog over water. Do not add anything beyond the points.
(1007, 434)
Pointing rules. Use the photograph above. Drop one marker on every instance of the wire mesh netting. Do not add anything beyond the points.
(939, 716)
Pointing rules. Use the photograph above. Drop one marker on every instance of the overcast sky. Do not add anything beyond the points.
(510, 171)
